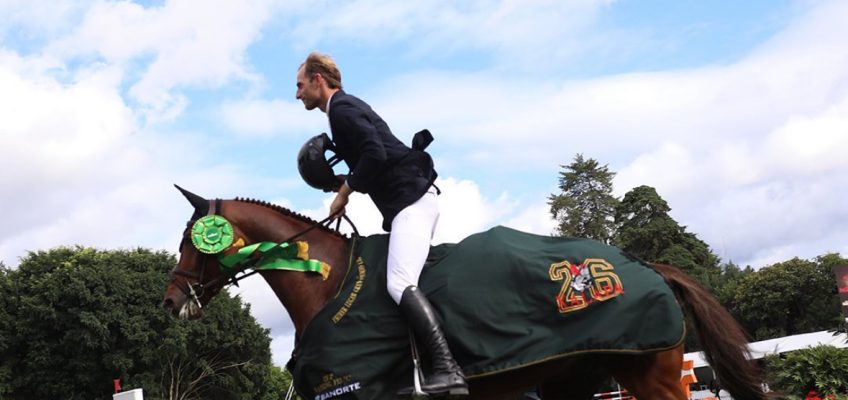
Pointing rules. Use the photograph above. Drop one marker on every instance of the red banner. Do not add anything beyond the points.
(841, 272)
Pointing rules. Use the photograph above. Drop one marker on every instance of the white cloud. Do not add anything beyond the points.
(749, 154)
(515, 32)
(58, 136)
(757, 198)
(190, 43)
(710, 139)
(535, 217)
(37, 19)
(675, 162)
(71, 139)
(264, 305)
(809, 145)
(260, 118)
(530, 118)
(464, 210)
(281, 348)
(80, 171)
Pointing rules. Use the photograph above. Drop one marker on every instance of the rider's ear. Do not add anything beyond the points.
(201, 205)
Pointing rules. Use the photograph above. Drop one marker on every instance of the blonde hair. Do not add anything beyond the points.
(318, 63)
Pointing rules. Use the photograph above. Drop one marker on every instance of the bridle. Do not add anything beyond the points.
(195, 290)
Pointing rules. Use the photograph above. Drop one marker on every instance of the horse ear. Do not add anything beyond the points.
(200, 204)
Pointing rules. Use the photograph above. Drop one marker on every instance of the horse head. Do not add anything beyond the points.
(226, 238)
(197, 277)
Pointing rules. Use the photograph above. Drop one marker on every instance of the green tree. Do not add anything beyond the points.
(830, 260)
(585, 205)
(820, 368)
(81, 317)
(645, 228)
(6, 304)
(725, 286)
(281, 381)
(787, 298)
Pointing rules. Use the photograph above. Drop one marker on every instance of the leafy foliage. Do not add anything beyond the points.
(645, 228)
(76, 318)
(6, 295)
(795, 296)
(725, 286)
(585, 206)
(820, 368)
(792, 297)
(280, 382)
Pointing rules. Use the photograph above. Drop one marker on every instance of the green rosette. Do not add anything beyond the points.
(212, 234)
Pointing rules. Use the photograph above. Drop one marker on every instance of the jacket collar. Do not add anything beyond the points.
(335, 96)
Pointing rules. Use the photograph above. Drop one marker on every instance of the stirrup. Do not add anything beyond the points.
(416, 392)
(417, 372)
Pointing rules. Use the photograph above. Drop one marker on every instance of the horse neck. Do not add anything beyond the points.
(303, 294)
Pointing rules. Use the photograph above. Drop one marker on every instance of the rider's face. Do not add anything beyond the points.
(308, 89)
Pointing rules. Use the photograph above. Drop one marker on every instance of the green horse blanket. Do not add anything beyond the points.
(507, 299)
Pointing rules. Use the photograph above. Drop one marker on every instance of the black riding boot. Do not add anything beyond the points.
(447, 377)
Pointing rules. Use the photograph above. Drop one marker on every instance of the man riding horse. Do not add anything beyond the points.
(540, 331)
(399, 180)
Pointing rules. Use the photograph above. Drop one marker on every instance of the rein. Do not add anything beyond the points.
(244, 260)
(250, 263)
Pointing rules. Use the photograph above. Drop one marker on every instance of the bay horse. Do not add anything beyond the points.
(653, 376)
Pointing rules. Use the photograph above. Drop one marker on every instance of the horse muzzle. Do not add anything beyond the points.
(185, 308)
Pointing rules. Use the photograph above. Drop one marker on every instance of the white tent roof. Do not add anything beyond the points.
(782, 345)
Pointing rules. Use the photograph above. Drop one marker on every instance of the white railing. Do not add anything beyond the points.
(135, 394)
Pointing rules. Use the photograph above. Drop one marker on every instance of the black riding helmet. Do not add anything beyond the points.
(313, 165)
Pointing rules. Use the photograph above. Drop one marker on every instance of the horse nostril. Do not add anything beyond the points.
(168, 304)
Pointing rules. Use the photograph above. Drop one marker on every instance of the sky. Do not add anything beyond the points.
(735, 112)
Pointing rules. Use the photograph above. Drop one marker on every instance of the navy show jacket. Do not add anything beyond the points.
(391, 173)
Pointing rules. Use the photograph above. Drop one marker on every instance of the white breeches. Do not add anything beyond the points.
(409, 243)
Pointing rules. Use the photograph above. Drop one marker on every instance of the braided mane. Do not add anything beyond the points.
(290, 213)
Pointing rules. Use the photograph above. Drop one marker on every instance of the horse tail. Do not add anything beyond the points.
(723, 340)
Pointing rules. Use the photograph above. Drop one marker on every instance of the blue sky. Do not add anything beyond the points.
(736, 112)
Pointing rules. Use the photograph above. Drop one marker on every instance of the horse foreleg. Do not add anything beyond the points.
(653, 376)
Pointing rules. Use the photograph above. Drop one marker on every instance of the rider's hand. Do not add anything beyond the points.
(337, 209)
